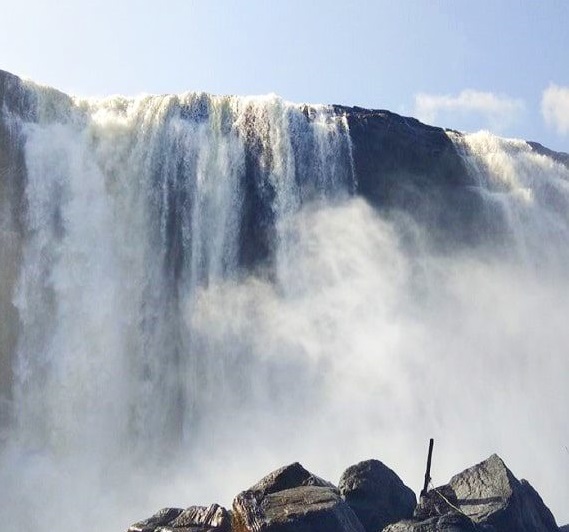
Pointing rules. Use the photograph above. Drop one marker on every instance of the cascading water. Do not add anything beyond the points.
(202, 296)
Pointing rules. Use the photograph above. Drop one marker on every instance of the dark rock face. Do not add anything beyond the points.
(404, 166)
(394, 154)
(562, 158)
(292, 500)
(211, 518)
(376, 495)
(486, 496)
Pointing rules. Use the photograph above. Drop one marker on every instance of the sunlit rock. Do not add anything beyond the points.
(490, 493)
(293, 500)
(286, 477)
(486, 496)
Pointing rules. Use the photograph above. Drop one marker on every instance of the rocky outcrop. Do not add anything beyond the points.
(371, 498)
(405, 167)
(376, 494)
(293, 500)
(212, 518)
(486, 496)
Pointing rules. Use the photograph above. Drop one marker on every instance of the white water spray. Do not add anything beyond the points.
(155, 367)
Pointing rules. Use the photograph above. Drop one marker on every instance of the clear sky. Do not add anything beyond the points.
(467, 64)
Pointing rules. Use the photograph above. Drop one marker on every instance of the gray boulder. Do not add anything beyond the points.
(376, 495)
(211, 518)
(486, 497)
(291, 499)
(489, 493)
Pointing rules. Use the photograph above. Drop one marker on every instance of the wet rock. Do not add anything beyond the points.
(376, 494)
(406, 167)
(292, 499)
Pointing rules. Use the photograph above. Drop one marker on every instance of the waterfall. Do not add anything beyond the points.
(202, 294)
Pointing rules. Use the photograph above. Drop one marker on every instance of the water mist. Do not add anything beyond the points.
(202, 296)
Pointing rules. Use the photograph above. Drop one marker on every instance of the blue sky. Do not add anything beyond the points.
(468, 64)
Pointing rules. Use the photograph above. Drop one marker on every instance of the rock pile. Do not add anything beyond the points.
(370, 497)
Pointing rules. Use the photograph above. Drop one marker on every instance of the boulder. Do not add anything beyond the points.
(291, 499)
(376, 495)
(489, 493)
(286, 477)
(487, 497)
(211, 518)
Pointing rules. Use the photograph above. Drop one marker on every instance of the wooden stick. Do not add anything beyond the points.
(428, 472)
